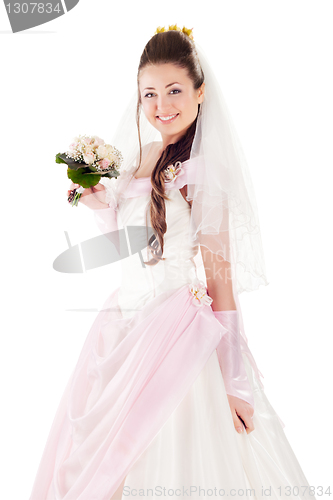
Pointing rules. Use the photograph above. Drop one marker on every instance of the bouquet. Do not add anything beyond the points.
(89, 159)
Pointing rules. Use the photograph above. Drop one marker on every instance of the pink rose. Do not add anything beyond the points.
(98, 141)
(105, 163)
(73, 146)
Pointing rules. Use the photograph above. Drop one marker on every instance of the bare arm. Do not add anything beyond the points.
(219, 286)
(219, 283)
(218, 275)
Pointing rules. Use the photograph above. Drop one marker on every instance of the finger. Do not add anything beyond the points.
(249, 426)
(70, 192)
(237, 422)
(247, 420)
(73, 186)
(99, 187)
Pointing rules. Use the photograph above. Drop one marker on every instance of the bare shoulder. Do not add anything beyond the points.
(150, 154)
(151, 148)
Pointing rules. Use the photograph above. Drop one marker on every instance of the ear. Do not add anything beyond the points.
(201, 93)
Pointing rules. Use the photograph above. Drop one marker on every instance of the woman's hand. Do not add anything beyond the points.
(240, 409)
(93, 197)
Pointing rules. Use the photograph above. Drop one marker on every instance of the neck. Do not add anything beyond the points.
(167, 140)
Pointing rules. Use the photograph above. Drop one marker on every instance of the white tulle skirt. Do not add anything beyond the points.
(146, 403)
(198, 453)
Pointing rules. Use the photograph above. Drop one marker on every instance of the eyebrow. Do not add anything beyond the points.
(169, 85)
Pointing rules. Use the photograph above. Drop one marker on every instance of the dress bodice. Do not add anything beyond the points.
(142, 282)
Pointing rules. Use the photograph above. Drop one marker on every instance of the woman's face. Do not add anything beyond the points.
(169, 100)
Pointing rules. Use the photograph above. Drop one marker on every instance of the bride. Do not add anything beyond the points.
(166, 397)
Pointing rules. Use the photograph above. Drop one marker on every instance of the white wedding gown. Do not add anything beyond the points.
(182, 442)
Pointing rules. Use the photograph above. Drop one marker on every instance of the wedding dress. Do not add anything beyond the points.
(147, 401)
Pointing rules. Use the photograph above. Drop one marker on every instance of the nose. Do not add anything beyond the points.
(163, 104)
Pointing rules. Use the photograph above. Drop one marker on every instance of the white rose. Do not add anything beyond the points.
(88, 149)
(87, 140)
(89, 158)
(102, 151)
(112, 157)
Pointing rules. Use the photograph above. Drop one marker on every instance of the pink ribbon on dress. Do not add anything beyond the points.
(131, 375)
(142, 185)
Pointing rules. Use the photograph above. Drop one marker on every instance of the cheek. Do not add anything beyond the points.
(189, 106)
(148, 108)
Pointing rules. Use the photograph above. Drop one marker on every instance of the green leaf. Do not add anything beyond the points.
(92, 168)
(70, 162)
(86, 180)
(59, 158)
(112, 173)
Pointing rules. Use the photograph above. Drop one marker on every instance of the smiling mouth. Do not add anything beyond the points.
(167, 119)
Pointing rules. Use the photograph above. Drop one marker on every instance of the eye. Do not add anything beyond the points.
(149, 95)
(176, 91)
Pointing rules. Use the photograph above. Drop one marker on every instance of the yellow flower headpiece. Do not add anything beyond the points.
(174, 27)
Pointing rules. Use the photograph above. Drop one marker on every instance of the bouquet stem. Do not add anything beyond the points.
(75, 195)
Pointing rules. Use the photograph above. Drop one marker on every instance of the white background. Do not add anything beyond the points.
(75, 75)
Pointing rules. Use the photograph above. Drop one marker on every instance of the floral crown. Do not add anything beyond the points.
(174, 27)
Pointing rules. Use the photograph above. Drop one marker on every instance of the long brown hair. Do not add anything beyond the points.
(177, 48)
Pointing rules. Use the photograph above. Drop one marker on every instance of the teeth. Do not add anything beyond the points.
(166, 118)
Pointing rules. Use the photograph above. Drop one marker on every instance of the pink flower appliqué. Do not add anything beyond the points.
(173, 171)
(200, 296)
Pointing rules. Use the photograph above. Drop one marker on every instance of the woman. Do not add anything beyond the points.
(166, 394)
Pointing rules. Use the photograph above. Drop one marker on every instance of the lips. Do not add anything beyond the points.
(167, 118)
